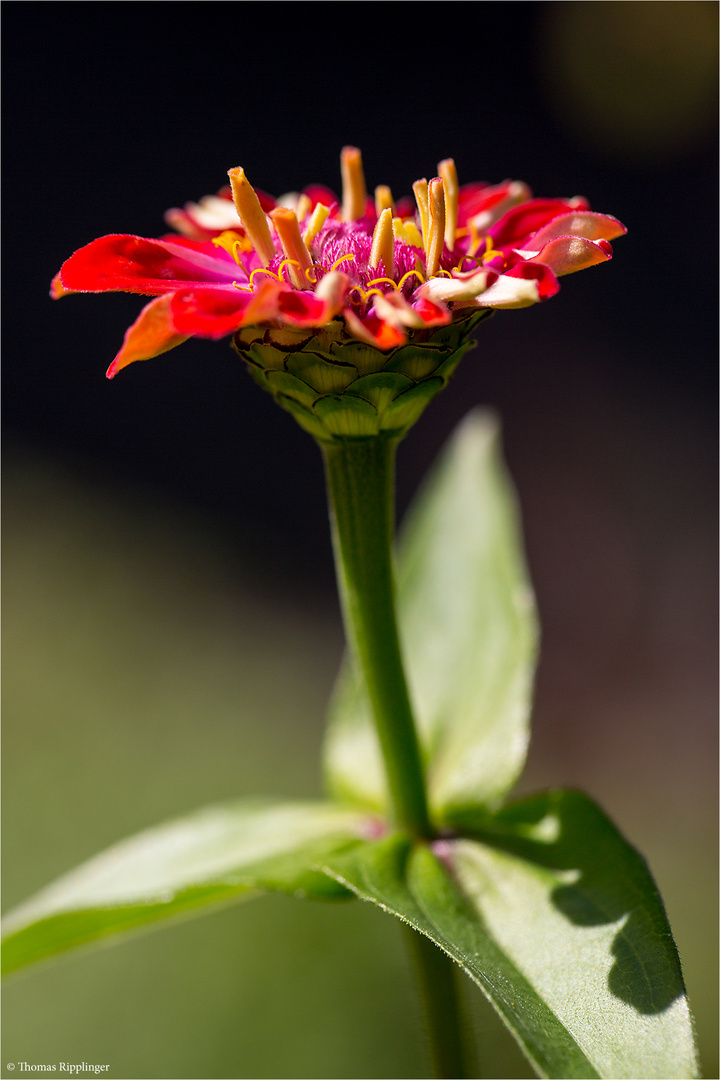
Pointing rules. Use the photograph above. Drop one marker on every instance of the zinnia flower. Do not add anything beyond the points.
(399, 285)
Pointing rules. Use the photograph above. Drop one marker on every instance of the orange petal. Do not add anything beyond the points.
(150, 335)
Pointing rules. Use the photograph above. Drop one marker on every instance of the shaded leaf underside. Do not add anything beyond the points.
(220, 854)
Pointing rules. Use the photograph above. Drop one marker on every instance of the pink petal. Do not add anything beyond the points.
(568, 254)
(583, 223)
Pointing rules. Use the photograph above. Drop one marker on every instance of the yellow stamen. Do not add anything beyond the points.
(420, 190)
(448, 172)
(298, 256)
(436, 226)
(490, 252)
(284, 263)
(315, 224)
(251, 285)
(410, 273)
(251, 215)
(342, 259)
(383, 281)
(407, 232)
(364, 294)
(383, 199)
(353, 184)
(464, 259)
(234, 243)
(383, 244)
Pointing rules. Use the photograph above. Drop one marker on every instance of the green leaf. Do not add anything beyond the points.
(219, 854)
(559, 922)
(468, 628)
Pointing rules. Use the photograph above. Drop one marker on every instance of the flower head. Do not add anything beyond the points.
(365, 272)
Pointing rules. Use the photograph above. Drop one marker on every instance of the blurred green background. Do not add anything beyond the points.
(171, 632)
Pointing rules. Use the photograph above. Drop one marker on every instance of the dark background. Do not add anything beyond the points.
(178, 495)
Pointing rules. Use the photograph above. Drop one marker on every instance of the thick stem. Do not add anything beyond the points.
(361, 480)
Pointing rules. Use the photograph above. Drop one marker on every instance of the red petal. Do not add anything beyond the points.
(57, 288)
(301, 308)
(151, 334)
(373, 331)
(517, 225)
(474, 198)
(132, 264)
(317, 193)
(405, 207)
(211, 313)
(267, 202)
(531, 271)
(431, 314)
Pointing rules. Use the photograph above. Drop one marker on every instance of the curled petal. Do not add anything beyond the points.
(526, 284)
(456, 289)
(300, 308)
(374, 331)
(568, 254)
(393, 308)
(432, 314)
(152, 333)
(519, 223)
(584, 223)
(332, 290)
(132, 264)
(485, 204)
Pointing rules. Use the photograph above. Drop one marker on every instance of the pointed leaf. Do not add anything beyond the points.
(559, 922)
(469, 635)
(221, 853)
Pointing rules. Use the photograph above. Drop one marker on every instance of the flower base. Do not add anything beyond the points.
(338, 388)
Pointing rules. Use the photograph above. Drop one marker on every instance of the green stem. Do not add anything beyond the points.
(438, 988)
(361, 485)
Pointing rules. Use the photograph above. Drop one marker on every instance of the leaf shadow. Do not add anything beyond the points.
(605, 881)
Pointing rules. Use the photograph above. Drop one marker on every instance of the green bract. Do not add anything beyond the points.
(336, 387)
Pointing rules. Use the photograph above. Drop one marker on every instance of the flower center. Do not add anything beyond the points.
(397, 255)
